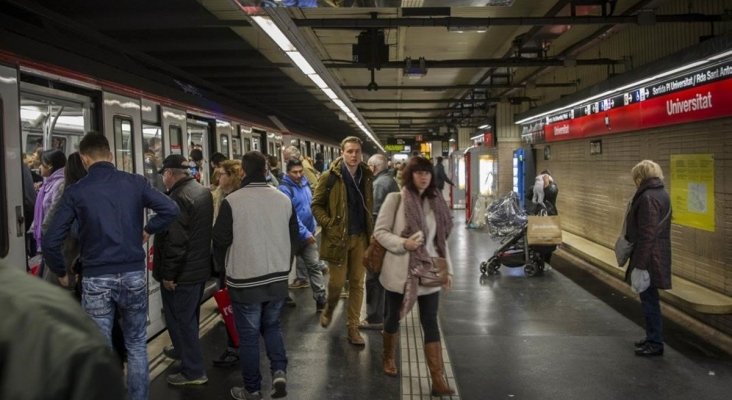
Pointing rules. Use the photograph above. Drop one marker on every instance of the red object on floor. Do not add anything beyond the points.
(227, 313)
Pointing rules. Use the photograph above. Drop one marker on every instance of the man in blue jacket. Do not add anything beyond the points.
(109, 207)
(295, 185)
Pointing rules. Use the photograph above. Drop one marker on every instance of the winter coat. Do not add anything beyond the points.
(441, 177)
(388, 233)
(330, 208)
(652, 250)
(301, 198)
(183, 251)
(109, 206)
(48, 195)
(310, 172)
(384, 184)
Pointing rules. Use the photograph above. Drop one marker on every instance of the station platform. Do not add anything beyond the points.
(562, 334)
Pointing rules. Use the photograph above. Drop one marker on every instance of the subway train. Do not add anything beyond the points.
(47, 107)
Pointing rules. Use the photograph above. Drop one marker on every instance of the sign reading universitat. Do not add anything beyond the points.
(692, 190)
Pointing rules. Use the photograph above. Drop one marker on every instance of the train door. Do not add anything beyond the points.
(152, 144)
(12, 222)
(247, 142)
(199, 132)
(122, 124)
(236, 149)
(259, 140)
(174, 124)
(224, 131)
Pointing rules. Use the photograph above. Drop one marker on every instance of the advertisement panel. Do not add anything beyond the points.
(692, 190)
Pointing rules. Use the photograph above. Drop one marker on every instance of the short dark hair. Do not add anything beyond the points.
(196, 155)
(217, 158)
(254, 164)
(292, 164)
(94, 145)
(439, 159)
(54, 159)
(416, 164)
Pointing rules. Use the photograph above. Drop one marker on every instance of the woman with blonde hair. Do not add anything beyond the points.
(649, 229)
(413, 225)
(229, 179)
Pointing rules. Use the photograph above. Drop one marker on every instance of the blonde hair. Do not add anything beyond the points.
(233, 168)
(351, 139)
(644, 170)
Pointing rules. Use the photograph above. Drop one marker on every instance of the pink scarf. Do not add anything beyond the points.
(415, 222)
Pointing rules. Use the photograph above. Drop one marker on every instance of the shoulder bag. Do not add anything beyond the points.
(436, 275)
(373, 257)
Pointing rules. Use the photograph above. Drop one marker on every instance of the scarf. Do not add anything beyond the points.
(415, 222)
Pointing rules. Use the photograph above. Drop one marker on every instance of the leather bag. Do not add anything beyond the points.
(434, 275)
(373, 256)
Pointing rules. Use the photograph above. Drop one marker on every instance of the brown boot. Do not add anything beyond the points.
(433, 353)
(354, 336)
(390, 344)
(326, 316)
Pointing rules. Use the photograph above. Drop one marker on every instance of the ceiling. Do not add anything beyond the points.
(211, 44)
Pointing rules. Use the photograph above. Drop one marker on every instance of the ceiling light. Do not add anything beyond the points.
(274, 32)
(319, 82)
(330, 93)
(463, 29)
(301, 62)
(485, 126)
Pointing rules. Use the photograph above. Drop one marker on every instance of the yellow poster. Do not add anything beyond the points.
(692, 190)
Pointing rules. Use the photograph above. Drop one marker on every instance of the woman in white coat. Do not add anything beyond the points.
(413, 226)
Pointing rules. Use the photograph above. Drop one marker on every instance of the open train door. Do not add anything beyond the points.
(12, 221)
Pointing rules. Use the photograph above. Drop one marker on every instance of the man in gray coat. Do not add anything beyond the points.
(384, 184)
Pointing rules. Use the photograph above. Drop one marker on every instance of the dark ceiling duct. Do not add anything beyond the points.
(514, 62)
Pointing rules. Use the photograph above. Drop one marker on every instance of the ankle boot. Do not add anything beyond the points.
(433, 353)
(354, 336)
(389, 355)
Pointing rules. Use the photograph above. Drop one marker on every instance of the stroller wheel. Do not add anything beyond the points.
(530, 269)
(493, 267)
(484, 267)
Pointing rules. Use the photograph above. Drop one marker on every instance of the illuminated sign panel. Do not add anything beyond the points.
(695, 96)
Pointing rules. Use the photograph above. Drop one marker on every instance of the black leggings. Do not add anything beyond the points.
(428, 305)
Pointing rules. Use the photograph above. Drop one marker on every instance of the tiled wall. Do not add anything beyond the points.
(594, 189)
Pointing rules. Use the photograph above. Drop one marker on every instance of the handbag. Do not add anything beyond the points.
(435, 274)
(373, 256)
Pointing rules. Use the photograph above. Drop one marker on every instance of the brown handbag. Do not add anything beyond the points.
(373, 257)
(434, 275)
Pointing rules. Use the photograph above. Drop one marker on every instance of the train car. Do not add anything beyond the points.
(46, 107)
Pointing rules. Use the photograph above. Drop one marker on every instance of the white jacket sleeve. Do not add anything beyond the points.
(392, 242)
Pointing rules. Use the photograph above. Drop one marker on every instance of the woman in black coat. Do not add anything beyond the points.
(649, 228)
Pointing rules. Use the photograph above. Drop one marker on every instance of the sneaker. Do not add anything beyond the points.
(299, 284)
(239, 393)
(279, 384)
(376, 326)
(227, 359)
(320, 305)
(170, 352)
(344, 293)
(179, 380)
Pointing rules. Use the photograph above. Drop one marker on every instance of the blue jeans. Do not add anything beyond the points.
(309, 269)
(182, 311)
(127, 293)
(251, 321)
(652, 313)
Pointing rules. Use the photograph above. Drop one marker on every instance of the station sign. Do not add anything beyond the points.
(701, 94)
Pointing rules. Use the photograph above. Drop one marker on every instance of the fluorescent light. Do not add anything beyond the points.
(484, 126)
(274, 32)
(319, 82)
(301, 62)
(330, 93)
(340, 103)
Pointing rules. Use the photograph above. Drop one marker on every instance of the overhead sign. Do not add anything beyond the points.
(394, 148)
(699, 95)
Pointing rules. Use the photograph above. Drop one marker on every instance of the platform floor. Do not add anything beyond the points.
(560, 335)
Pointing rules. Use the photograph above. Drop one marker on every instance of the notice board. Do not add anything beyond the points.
(692, 190)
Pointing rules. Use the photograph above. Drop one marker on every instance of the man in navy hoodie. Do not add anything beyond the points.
(109, 207)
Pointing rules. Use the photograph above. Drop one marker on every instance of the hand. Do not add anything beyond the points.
(169, 285)
(145, 237)
(413, 242)
(64, 281)
(448, 284)
(311, 240)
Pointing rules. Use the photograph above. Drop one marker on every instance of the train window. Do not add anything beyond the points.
(224, 145)
(255, 144)
(236, 148)
(5, 228)
(124, 149)
(176, 139)
(152, 155)
(198, 134)
(246, 145)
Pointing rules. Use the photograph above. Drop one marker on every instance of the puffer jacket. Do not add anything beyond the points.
(651, 233)
(182, 253)
(330, 208)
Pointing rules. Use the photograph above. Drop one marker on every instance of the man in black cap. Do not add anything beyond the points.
(182, 263)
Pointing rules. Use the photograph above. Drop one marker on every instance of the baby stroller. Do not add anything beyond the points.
(506, 220)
